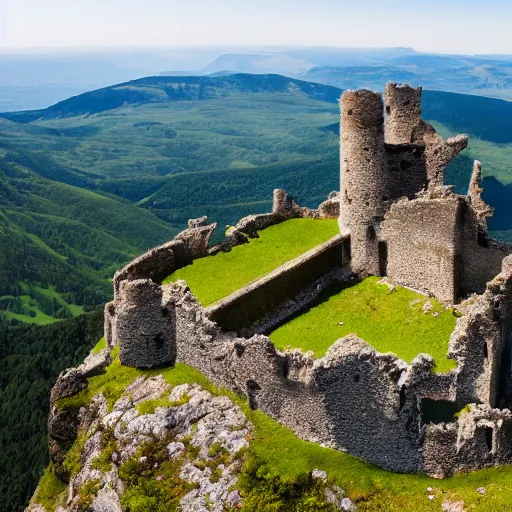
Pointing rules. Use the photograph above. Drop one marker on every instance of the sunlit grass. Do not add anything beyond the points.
(215, 277)
(389, 321)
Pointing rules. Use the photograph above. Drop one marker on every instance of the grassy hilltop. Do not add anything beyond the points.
(89, 184)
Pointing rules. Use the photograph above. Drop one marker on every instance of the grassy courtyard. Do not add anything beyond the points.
(389, 321)
(215, 277)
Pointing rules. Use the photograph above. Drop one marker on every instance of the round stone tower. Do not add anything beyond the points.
(145, 329)
(403, 112)
(363, 190)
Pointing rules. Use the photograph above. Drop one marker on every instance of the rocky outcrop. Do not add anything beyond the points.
(63, 423)
(193, 437)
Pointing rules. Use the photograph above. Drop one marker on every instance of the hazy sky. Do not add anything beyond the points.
(464, 26)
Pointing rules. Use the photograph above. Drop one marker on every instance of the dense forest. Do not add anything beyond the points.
(31, 357)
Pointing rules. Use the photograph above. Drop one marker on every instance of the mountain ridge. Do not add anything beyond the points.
(144, 90)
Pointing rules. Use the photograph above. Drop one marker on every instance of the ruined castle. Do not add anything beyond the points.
(397, 219)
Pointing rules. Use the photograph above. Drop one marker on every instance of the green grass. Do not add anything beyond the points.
(37, 305)
(215, 277)
(102, 344)
(39, 317)
(50, 490)
(113, 383)
(278, 461)
(389, 321)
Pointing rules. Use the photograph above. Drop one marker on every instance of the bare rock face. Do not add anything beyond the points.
(73, 380)
(203, 435)
(63, 423)
(70, 382)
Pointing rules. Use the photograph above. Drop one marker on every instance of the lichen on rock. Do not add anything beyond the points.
(188, 452)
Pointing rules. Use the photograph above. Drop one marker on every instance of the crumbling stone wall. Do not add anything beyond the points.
(283, 208)
(481, 437)
(436, 243)
(263, 298)
(162, 261)
(135, 321)
(407, 170)
(382, 160)
(423, 244)
(403, 112)
(481, 343)
(353, 399)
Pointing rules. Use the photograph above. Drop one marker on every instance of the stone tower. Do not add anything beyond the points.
(403, 113)
(363, 192)
(145, 329)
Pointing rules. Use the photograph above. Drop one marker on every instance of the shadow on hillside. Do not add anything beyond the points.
(499, 196)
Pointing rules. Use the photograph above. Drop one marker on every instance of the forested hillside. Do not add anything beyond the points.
(93, 181)
(31, 357)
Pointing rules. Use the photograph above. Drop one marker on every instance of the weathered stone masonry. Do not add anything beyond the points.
(397, 219)
(403, 222)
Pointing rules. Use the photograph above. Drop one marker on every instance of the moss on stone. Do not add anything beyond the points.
(51, 491)
(149, 406)
(72, 462)
(152, 481)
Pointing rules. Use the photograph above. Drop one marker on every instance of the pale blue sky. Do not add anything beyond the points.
(467, 26)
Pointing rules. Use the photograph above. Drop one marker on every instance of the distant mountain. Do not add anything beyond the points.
(160, 89)
(485, 75)
(260, 63)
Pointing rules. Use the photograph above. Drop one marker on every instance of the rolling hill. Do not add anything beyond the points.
(96, 179)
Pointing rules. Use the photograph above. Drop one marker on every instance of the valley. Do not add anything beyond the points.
(97, 179)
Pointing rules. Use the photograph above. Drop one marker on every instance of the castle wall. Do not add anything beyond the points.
(480, 340)
(366, 404)
(162, 261)
(423, 245)
(262, 298)
(406, 170)
(403, 112)
(482, 256)
(352, 399)
(481, 437)
(363, 176)
(156, 264)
